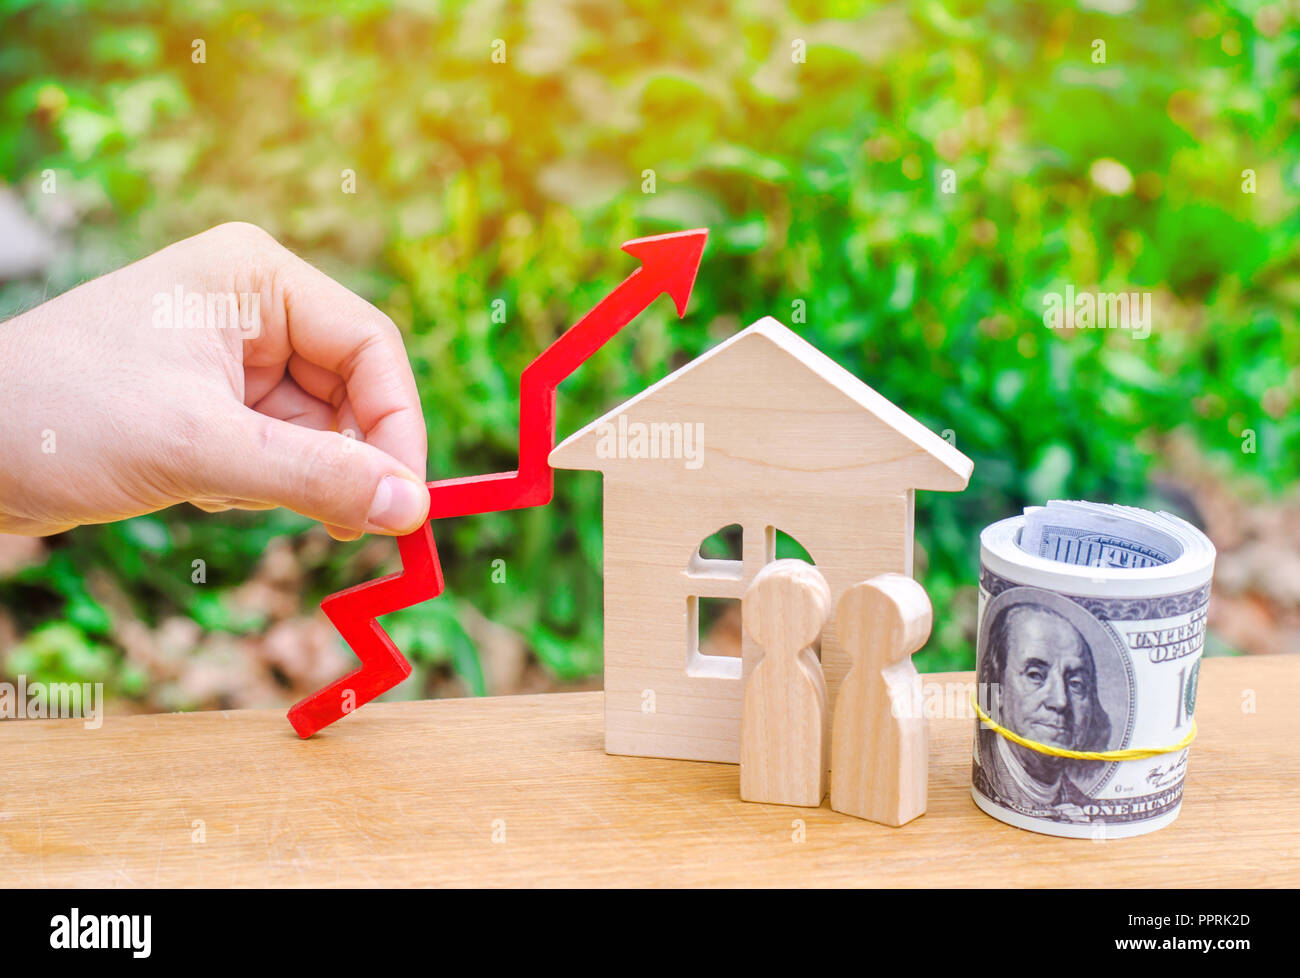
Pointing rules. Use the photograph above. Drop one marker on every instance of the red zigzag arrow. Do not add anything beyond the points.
(668, 264)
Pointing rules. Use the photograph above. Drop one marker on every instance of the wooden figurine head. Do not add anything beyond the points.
(889, 616)
(786, 606)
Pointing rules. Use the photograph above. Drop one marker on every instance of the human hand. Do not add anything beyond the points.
(107, 413)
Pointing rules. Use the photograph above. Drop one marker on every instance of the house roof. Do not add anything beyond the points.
(766, 396)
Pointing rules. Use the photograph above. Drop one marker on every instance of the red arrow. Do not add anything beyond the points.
(669, 263)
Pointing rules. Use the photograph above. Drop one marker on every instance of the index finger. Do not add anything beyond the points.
(334, 328)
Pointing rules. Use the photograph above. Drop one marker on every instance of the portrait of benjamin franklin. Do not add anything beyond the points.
(1039, 678)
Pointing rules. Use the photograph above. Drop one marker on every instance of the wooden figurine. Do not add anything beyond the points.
(879, 762)
(766, 432)
(783, 743)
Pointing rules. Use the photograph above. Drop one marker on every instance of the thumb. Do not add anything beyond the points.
(324, 475)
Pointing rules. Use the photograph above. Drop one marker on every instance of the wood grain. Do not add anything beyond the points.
(407, 794)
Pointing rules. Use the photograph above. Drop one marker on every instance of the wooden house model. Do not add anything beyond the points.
(766, 432)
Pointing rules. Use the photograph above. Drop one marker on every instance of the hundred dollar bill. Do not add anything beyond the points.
(1091, 628)
(1092, 535)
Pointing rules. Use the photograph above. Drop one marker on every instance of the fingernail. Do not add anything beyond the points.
(398, 506)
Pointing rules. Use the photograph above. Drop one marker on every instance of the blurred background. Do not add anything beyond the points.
(902, 183)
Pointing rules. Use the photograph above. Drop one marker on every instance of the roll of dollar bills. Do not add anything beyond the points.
(1091, 627)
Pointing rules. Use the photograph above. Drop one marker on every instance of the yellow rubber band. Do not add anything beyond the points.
(1131, 754)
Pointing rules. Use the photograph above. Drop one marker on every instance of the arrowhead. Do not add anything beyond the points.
(671, 261)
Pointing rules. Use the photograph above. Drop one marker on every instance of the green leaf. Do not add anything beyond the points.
(148, 533)
(133, 47)
(1050, 474)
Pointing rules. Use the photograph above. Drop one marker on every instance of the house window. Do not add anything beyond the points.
(716, 576)
(718, 629)
(715, 583)
(726, 544)
(781, 546)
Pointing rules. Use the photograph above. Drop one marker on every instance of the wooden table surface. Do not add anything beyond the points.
(518, 791)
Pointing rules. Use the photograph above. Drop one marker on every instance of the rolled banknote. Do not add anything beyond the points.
(1091, 628)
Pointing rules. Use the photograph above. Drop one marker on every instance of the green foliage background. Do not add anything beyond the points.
(821, 182)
